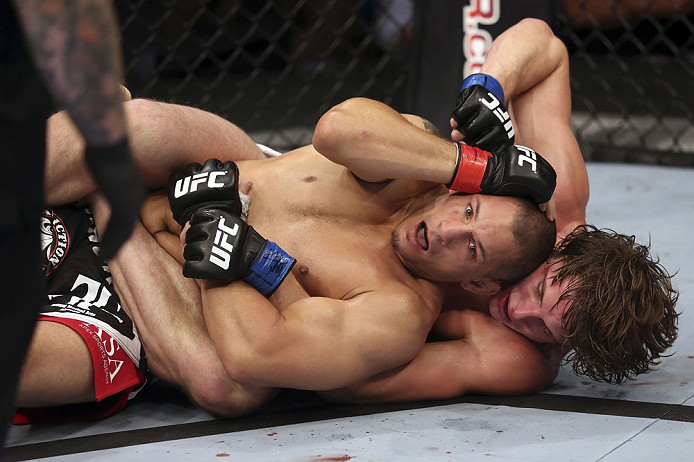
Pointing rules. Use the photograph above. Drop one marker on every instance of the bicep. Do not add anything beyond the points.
(319, 343)
(353, 339)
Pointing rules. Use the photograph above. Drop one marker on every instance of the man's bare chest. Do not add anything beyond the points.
(340, 238)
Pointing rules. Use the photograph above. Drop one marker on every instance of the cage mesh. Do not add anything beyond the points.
(273, 67)
(631, 78)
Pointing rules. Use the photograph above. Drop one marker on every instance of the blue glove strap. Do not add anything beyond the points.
(488, 82)
(270, 269)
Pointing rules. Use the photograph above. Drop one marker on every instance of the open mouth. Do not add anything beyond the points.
(421, 236)
(508, 318)
(503, 305)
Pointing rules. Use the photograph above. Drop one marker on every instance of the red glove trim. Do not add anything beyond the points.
(470, 170)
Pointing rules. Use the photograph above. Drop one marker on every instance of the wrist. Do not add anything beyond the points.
(270, 268)
(470, 168)
(488, 82)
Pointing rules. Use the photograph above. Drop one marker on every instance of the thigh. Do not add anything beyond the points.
(166, 308)
(163, 138)
(57, 370)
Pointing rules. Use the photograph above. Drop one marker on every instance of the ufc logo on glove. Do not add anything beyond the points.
(190, 183)
(529, 157)
(222, 249)
(495, 106)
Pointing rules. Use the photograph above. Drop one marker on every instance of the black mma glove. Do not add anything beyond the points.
(219, 245)
(515, 171)
(213, 185)
(120, 182)
(481, 114)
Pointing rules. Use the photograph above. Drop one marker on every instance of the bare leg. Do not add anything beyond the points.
(57, 370)
(167, 311)
(163, 137)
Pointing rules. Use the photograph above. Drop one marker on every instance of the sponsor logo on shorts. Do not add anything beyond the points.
(106, 346)
(55, 241)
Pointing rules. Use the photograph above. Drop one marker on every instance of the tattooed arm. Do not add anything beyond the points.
(424, 124)
(75, 46)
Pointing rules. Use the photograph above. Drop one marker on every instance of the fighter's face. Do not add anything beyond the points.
(530, 307)
(457, 237)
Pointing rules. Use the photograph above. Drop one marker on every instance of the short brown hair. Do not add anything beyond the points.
(621, 315)
(534, 236)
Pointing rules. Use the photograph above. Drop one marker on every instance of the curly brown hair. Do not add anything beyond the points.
(621, 315)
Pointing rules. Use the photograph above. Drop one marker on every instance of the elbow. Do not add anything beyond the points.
(251, 364)
(335, 127)
(554, 48)
(536, 28)
(241, 364)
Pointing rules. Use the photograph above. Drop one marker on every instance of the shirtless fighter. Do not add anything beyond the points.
(600, 297)
(371, 303)
(169, 318)
(601, 294)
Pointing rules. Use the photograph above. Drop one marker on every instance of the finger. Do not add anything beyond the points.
(183, 235)
(453, 123)
(550, 209)
(457, 136)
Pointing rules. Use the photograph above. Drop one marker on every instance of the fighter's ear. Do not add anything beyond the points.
(482, 286)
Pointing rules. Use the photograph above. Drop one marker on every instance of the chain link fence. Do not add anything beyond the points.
(271, 67)
(274, 67)
(632, 69)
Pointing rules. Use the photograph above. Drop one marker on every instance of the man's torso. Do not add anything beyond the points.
(336, 226)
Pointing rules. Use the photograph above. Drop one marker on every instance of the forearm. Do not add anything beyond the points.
(377, 143)
(316, 343)
(432, 374)
(247, 329)
(75, 46)
(523, 56)
(533, 67)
